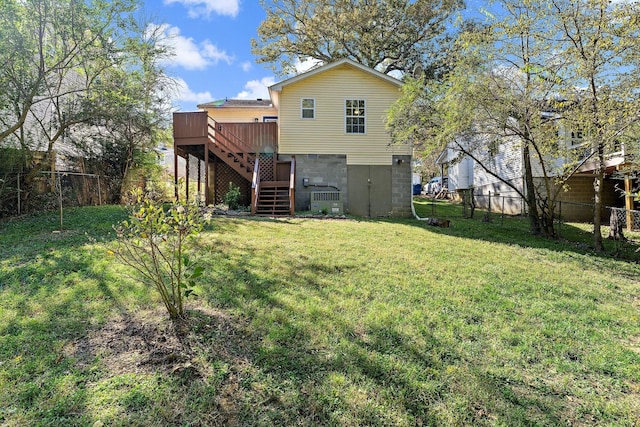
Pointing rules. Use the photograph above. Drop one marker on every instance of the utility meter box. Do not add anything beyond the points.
(327, 202)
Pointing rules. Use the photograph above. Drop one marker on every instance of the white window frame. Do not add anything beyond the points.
(303, 108)
(576, 136)
(362, 116)
(577, 141)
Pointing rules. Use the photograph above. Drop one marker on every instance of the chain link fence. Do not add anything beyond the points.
(495, 208)
(626, 217)
(51, 190)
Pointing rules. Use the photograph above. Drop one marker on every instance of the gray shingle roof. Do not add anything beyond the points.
(237, 103)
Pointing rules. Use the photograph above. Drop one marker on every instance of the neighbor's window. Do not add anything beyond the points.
(577, 136)
(494, 148)
(308, 106)
(354, 114)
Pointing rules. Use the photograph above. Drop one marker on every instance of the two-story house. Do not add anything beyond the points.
(320, 137)
(506, 161)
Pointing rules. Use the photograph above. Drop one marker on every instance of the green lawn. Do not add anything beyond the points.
(321, 322)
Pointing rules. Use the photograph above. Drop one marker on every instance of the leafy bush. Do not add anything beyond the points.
(153, 241)
(233, 196)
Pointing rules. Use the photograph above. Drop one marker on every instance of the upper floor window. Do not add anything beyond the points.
(494, 148)
(355, 115)
(308, 108)
(577, 136)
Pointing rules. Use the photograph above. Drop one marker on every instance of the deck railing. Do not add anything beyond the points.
(292, 186)
(232, 143)
(190, 128)
(237, 144)
(256, 137)
(255, 187)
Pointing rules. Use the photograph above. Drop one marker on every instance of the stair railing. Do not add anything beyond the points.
(231, 142)
(255, 187)
(292, 186)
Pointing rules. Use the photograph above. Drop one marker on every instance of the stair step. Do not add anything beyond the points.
(271, 184)
(274, 199)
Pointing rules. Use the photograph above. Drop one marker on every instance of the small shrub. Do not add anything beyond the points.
(153, 242)
(233, 196)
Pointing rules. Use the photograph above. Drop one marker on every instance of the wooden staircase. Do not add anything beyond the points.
(269, 197)
(230, 149)
(272, 186)
(274, 199)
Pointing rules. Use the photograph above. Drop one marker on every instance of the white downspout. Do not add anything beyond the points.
(413, 209)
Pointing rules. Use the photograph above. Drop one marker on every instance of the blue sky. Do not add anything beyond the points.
(212, 43)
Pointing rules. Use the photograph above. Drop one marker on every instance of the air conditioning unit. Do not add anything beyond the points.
(327, 202)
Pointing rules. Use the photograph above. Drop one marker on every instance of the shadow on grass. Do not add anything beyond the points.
(306, 363)
(54, 291)
(288, 354)
(71, 336)
(47, 313)
(513, 230)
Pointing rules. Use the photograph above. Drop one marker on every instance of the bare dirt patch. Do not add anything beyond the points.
(148, 342)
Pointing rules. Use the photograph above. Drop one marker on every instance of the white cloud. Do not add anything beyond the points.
(184, 94)
(255, 89)
(306, 65)
(204, 8)
(396, 74)
(246, 66)
(212, 52)
(187, 52)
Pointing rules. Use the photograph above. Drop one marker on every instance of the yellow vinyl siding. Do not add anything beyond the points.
(240, 115)
(326, 134)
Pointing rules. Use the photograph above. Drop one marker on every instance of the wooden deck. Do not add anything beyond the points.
(238, 145)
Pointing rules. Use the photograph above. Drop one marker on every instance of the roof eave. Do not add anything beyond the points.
(278, 86)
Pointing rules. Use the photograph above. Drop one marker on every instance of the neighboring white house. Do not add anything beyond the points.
(505, 160)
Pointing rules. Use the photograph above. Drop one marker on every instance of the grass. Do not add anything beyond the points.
(322, 322)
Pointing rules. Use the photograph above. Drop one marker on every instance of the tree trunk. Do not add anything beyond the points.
(597, 205)
(547, 218)
(534, 219)
(615, 227)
